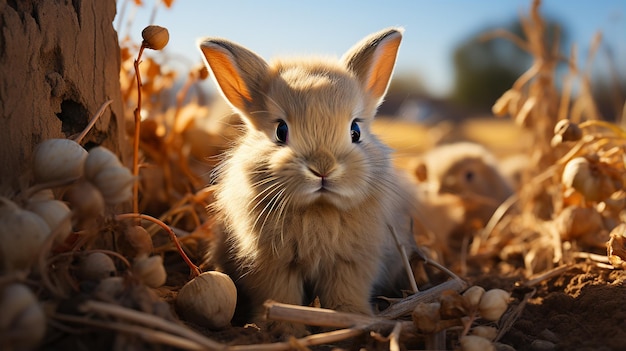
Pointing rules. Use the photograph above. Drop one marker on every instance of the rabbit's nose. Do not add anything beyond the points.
(321, 163)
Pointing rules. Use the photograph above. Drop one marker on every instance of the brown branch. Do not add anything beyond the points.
(149, 321)
(406, 305)
(195, 271)
(136, 137)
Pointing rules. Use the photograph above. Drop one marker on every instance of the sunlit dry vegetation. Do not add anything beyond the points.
(111, 253)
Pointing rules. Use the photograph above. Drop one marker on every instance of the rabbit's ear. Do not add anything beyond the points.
(237, 71)
(373, 60)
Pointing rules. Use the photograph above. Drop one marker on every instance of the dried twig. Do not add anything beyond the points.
(509, 320)
(322, 317)
(394, 337)
(148, 320)
(93, 121)
(405, 259)
(195, 271)
(149, 335)
(311, 340)
(406, 305)
(136, 136)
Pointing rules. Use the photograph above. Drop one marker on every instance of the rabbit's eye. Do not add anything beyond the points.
(355, 132)
(281, 132)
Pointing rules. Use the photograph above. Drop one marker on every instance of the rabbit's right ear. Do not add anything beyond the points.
(237, 71)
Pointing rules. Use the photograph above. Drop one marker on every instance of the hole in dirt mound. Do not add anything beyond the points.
(74, 117)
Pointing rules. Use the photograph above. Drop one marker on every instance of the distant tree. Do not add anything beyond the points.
(484, 69)
(406, 84)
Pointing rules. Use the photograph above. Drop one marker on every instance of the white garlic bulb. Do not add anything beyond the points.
(99, 159)
(56, 214)
(115, 184)
(150, 270)
(476, 343)
(473, 294)
(208, 300)
(588, 179)
(22, 318)
(22, 234)
(57, 160)
(493, 304)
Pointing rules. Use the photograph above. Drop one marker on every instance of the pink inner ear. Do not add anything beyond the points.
(383, 64)
(227, 76)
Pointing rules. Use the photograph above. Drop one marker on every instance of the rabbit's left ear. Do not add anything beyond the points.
(373, 59)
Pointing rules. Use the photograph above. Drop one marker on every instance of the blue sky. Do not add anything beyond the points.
(433, 28)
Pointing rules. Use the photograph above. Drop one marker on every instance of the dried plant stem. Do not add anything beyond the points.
(136, 137)
(394, 338)
(195, 271)
(93, 121)
(437, 265)
(112, 253)
(195, 340)
(538, 278)
(147, 334)
(405, 259)
(321, 317)
(406, 305)
(603, 124)
(302, 343)
(149, 321)
(508, 321)
(591, 256)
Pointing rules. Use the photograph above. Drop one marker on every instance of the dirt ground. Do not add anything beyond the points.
(581, 309)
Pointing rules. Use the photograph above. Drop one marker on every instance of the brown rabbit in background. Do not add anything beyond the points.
(307, 194)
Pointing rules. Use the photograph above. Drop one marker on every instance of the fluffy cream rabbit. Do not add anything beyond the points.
(307, 194)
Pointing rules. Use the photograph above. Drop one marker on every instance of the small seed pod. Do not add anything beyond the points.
(426, 317)
(57, 160)
(115, 184)
(208, 300)
(476, 343)
(155, 37)
(99, 159)
(22, 321)
(96, 266)
(22, 234)
(567, 130)
(493, 303)
(86, 201)
(139, 240)
(472, 295)
(56, 214)
(574, 222)
(453, 305)
(150, 270)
